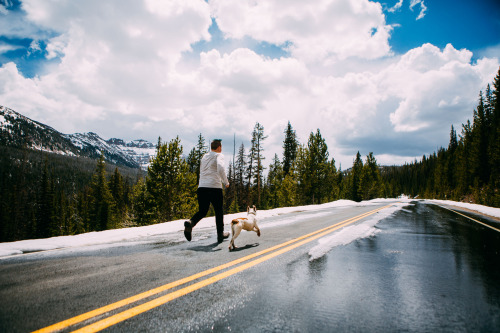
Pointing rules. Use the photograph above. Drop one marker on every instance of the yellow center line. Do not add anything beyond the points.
(94, 313)
(122, 316)
(470, 218)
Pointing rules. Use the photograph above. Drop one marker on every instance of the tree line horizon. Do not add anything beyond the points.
(39, 200)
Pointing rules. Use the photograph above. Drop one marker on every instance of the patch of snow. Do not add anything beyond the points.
(491, 211)
(111, 237)
(354, 232)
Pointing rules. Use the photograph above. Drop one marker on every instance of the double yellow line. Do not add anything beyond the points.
(141, 308)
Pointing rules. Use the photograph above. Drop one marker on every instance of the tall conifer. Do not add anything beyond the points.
(357, 169)
(239, 176)
(170, 183)
(45, 211)
(290, 146)
(101, 200)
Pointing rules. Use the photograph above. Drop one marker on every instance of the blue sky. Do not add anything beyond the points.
(474, 25)
(389, 77)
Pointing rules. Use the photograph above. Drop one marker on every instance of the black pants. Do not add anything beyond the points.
(207, 196)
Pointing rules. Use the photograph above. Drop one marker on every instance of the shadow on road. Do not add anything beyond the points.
(246, 247)
(206, 248)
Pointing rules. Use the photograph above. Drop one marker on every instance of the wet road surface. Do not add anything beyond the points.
(426, 269)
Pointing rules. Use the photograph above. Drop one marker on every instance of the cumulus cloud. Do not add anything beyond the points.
(438, 86)
(413, 101)
(121, 67)
(321, 30)
(117, 54)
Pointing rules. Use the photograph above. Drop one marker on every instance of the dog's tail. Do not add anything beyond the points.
(233, 225)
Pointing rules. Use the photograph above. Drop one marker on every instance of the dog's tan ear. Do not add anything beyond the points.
(254, 208)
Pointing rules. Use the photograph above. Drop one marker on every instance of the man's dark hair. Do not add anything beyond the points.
(215, 144)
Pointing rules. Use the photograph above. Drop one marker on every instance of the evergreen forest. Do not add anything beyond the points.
(44, 195)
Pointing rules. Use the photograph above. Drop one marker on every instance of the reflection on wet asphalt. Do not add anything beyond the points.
(427, 270)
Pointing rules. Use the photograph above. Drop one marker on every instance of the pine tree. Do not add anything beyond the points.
(275, 182)
(440, 175)
(101, 200)
(195, 156)
(230, 193)
(249, 173)
(357, 169)
(142, 206)
(117, 189)
(60, 218)
(83, 210)
(75, 221)
(316, 167)
(480, 145)
(332, 182)
(45, 205)
(451, 163)
(370, 182)
(494, 141)
(169, 182)
(489, 104)
(255, 166)
(289, 191)
(239, 177)
(259, 168)
(290, 146)
(463, 170)
(453, 140)
(192, 161)
(4, 217)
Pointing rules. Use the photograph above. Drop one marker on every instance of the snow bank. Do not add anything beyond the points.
(142, 233)
(91, 238)
(491, 211)
(367, 228)
(175, 228)
(351, 233)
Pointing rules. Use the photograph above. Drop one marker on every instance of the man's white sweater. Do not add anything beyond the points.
(212, 172)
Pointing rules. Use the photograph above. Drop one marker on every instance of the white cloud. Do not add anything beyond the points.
(4, 7)
(321, 30)
(435, 86)
(7, 47)
(423, 8)
(492, 51)
(35, 46)
(396, 7)
(121, 68)
(103, 65)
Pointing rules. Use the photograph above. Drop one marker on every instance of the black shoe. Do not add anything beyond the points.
(220, 238)
(187, 230)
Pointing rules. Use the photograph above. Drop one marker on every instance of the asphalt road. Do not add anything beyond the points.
(418, 273)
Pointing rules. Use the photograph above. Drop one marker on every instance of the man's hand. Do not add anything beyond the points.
(227, 185)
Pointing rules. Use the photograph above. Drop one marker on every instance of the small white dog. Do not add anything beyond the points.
(248, 223)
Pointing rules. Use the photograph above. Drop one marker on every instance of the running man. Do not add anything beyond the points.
(212, 178)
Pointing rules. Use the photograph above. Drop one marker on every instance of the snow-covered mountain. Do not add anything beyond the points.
(140, 150)
(20, 131)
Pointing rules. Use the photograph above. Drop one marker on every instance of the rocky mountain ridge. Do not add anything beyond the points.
(17, 130)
